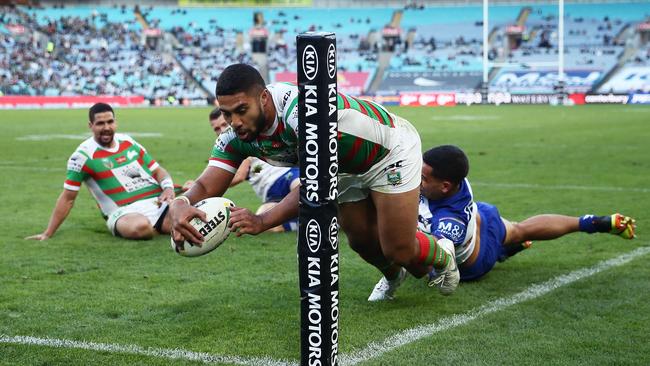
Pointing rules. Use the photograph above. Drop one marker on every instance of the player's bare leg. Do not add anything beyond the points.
(551, 226)
(134, 226)
(359, 222)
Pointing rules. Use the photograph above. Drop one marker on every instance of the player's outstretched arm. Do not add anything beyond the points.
(242, 172)
(61, 210)
(213, 182)
(243, 221)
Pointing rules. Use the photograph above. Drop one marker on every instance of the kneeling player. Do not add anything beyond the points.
(131, 189)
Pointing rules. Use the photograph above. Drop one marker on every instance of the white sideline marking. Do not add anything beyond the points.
(376, 349)
(372, 350)
(561, 187)
(174, 354)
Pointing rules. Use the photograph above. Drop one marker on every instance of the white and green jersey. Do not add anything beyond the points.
(366, 134)
(115, 177)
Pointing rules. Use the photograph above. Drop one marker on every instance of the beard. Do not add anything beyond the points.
(105, 139)
(259, 123)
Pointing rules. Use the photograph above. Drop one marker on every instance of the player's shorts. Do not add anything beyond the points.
(493, 234)
(282, 186)
(398, 172)
(147, 207)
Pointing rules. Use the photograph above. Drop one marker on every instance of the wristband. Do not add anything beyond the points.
(167, 183)
(183, 198)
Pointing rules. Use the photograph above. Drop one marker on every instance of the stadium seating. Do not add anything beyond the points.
(100, 49)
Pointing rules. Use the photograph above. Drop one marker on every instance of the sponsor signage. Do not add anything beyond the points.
(26, 102)
(544, 81)
(639, 98)
(428, 99)
(348, 82)
(606, 98)
(401, 81)
(629, 79)
(318, 256)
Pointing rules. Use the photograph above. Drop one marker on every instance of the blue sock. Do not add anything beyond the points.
(595, 224)
(291, 225)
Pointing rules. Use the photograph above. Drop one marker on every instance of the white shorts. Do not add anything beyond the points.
(148, 208)
(398, 172)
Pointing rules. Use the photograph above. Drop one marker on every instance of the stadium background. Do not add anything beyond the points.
(422, 53)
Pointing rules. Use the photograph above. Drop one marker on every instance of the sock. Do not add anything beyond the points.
(291, 225)
(595, 224)
(430, 251)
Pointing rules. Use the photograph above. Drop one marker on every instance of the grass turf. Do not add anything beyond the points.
(242, 299)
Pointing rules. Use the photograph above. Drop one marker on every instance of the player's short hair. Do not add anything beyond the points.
(239, 78)
(98, 108)
(448, 162)
(216, 113)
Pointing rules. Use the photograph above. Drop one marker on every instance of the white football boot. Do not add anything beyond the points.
(446, 279)
(385, 289)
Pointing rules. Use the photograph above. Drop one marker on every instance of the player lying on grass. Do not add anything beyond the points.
(131, 189)
(270, 183)
(379, 174)
(480, 235)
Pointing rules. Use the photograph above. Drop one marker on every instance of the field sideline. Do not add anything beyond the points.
(239, 304)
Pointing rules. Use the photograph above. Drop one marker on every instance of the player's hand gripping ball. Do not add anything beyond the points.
(215, 231)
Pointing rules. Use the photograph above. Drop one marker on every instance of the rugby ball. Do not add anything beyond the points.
(215, 230)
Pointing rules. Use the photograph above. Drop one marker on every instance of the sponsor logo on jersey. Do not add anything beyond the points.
(120, 159)
(76, 162)
(131, 154)
(452, 229)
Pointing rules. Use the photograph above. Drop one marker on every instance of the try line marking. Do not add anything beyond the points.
(372, 350)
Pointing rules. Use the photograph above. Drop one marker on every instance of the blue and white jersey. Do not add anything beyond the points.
(262, 176)
(453, 218)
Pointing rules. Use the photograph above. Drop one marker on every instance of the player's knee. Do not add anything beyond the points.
(515, 233)
(401, 254)
(137, 230)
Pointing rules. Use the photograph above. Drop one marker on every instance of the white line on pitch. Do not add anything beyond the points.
(373, 350)
(376, 349)
(174, 354)
(561, 187)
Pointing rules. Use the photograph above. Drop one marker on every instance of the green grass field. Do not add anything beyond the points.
(242, 300)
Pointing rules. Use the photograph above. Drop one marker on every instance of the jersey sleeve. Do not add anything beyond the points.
(449, 227)
(225, 154)
(76, 172)
(290, 109)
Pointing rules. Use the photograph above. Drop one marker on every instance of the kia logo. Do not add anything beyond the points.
(310, 62)
(334, 233)
(331, 61)
(313, 235)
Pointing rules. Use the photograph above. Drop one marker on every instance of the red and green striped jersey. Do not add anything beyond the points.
(115, 177)
(367, 132)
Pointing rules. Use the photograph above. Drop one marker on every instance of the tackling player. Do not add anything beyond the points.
(379, 174)
(480, 235)
(131, 189)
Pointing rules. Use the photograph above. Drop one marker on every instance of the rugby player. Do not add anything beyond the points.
(270, 183)
(379, 175)
(480, 235)
(131, 189)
